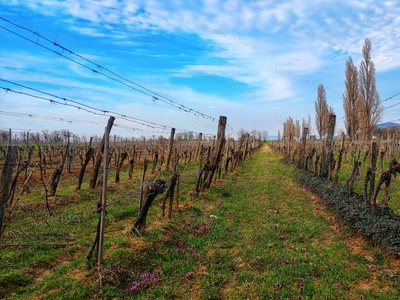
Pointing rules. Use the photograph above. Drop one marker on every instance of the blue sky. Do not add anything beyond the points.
(256, 62)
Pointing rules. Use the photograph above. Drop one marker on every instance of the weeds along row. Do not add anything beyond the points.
(54, 193)
(358, 179)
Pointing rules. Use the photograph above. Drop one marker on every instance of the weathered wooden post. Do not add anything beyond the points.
(198, 145)
(96, 168)
(103, 195)
(339, 165)
(68, 154)
(327, 157)
(171, 144)
(115, 150)
(5, 180)
(216, 157)
(374, 159)
(303, 153)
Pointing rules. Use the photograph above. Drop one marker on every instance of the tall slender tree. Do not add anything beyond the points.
(289, 130)
(350, 99)
(297, 130)
(321, 111)
(370, 107)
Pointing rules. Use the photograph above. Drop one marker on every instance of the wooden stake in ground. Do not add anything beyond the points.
(145, 164)
(131, 163)
(374, 159)
(217, 155)
(170, 195)
(171, 143)
(303, 153)
(198, 146)
(5, 180)
(327, 158)
(101, 205)
(341, 151)
(97, 163)
(103, 196)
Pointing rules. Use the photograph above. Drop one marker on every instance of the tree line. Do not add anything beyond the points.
(361, 102)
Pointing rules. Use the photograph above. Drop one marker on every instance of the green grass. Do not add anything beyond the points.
(255, 235)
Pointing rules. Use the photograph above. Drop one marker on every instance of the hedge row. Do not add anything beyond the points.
(379, 224)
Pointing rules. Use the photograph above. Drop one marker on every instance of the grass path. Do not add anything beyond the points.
(254, 235)
(274, 239)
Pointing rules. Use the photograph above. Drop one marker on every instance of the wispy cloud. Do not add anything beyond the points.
(226, 35)
(305, 80)
(137, 34)
(222, 81)
(311, 34)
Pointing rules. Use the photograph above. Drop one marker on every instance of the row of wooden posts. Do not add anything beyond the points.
(321, 159)
(219, 157)
(211, 161)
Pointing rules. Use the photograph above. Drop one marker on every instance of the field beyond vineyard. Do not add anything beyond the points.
(255, 234)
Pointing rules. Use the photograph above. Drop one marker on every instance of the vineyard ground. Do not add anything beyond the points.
(256, 234)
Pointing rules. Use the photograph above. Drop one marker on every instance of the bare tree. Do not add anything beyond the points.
(321, 111)
(289, 128)
(264, 135)
(350, 99)
(297, 129)
(241, 132)
(370, 107)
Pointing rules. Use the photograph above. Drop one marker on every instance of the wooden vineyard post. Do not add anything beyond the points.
(145, 191)
(170, 149)
(339, 165)
(374, 159)
(101, 206)
(145, 164)
(213, 143)
(115, 150)
(327, 158)
(131, 162)
(246, 141)
(5, 180)
(96, 168)
(303, 154)
(198, 146)
(103, 196)
(382, 157)
(177, 194)
(216, 157)
(69, 156)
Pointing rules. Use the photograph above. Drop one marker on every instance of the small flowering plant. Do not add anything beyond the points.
(146, 281)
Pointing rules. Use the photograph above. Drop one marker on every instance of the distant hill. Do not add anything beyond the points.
(387, 124)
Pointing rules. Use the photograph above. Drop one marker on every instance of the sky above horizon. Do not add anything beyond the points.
(174, 64)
